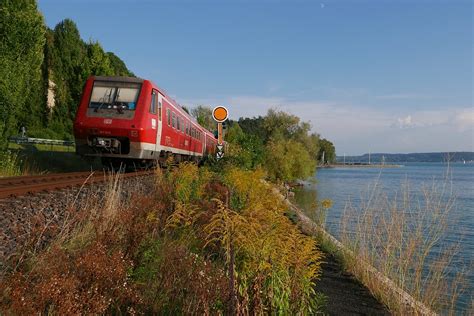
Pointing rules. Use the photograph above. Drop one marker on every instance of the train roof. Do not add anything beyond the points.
(141, 80)
(119, 79)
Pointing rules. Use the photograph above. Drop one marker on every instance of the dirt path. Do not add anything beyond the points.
(345, 295)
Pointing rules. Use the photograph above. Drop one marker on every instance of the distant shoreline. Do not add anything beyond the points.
(361, 165)
(461, 156)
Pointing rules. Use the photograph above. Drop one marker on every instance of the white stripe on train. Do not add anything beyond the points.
(158, 148)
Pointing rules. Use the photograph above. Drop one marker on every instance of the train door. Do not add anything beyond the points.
(205, 144)
(158, 100)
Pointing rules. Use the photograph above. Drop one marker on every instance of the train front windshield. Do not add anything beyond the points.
(114, 99)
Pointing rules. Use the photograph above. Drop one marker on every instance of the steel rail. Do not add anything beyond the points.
(19, 186)
(25, 180)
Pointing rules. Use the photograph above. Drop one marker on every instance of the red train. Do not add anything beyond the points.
(132, 121)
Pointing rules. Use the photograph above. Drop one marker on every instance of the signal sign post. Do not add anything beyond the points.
(220, 114)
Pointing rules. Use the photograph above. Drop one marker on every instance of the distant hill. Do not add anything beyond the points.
(412, 157)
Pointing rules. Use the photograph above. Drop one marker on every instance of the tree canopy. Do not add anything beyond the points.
(329, 152)
(71, 62)
(35, 60)
(291, 147)
(22, 37)
(279, 142)
(203, 115)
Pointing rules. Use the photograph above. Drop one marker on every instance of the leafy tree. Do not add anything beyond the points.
(67, 65)
(254, 126)
(312, 143)
(291, 149)
(99, 62)
(246, 150)
(281, 125)
(234, 133)
(203, 115)
(68, 59)
(21, 54)
(69, 62)
(280, 141)
(288, 160)
(329, 151)
(118, 66)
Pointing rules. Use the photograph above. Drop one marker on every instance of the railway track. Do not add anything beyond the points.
(24, 185)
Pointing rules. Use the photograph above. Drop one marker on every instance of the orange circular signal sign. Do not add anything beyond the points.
(220, 114)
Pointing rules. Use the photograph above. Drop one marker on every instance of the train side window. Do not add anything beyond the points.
(173, 119)
(153, 102)
(159, 110)
(178, 123)
(187, 128)
(168, 116)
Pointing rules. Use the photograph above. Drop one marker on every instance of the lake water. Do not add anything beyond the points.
(353, 184)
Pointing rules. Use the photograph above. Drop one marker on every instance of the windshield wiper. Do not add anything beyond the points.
(117, 95)
(103, 102)
(100, 105)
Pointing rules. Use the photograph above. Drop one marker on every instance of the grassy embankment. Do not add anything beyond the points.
(200, 242)
(36, 159)
(397, 246)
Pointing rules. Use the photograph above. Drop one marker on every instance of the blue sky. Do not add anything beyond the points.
(379, 76)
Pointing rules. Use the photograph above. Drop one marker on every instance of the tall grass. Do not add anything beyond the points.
(10, 164)
(13, 163)
(404, 237)
(198, 242)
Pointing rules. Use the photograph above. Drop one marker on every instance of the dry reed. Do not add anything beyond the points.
(404, 238)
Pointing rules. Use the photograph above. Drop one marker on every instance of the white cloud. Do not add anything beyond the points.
(402, 96)
(465, 119)
(405, 122)
(461, 118)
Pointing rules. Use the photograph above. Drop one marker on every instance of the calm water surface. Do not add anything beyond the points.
(353, 184)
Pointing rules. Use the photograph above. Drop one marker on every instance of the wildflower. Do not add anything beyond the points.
(326, 203)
